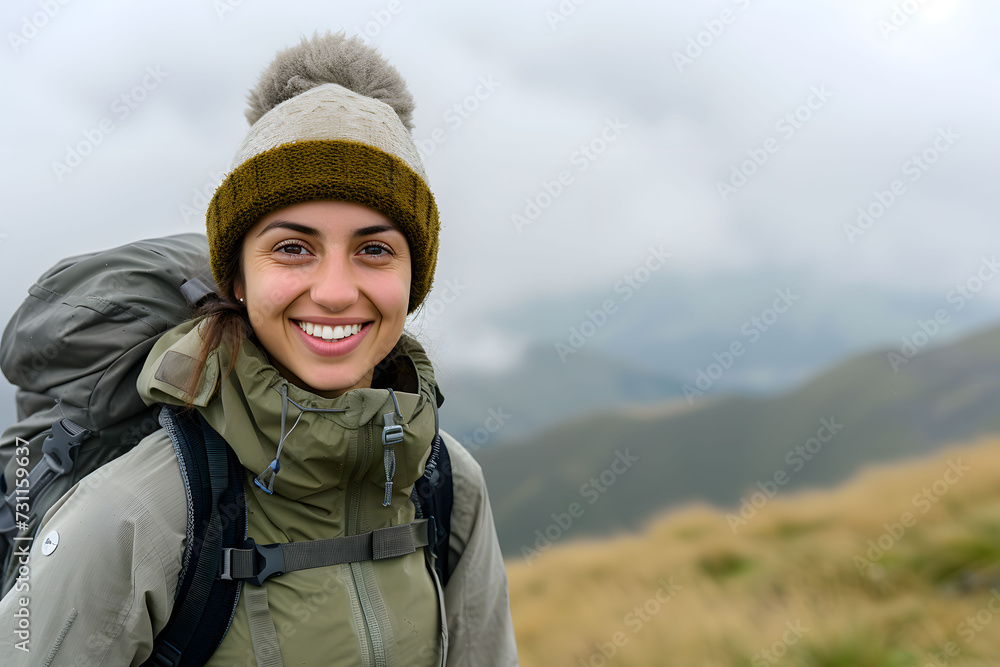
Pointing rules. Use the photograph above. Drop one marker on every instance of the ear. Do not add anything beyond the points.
(238, 290)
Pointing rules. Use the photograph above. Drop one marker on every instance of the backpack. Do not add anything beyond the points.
(74, 349)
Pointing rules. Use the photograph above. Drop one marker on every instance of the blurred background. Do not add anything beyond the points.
(714, 306)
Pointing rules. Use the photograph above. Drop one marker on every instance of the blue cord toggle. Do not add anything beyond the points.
(274, 468)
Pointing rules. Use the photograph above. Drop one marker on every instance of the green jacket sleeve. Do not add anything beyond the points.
(108, 587)
(476, 599)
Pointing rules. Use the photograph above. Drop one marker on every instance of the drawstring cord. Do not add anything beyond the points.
(392, 434)
(265, 480)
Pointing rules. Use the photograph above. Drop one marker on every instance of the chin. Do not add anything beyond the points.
(327, 385)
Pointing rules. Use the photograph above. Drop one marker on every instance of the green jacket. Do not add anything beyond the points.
(108, 587)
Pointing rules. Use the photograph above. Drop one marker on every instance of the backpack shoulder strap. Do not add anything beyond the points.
(204, 604)
(433, 496)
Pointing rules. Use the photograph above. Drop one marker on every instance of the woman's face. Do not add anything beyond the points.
(315, 272)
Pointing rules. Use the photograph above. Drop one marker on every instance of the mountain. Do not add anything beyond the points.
(665, 334)
(615, 468)
(540, 391)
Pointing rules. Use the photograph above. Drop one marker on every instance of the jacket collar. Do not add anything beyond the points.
(326, 450)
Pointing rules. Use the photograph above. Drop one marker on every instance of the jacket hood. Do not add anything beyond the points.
(324, 451)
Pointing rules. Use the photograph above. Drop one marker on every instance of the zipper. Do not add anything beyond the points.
(352, 520)
(442, 619)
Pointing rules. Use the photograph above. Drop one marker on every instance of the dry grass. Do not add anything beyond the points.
(788, 581)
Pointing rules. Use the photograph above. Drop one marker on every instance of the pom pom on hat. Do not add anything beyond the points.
(331, 58)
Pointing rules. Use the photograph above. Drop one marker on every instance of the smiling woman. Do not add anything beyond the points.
(326, 285)
(322, 238)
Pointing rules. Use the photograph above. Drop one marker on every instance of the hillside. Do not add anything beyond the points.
(717, 450)
(899, 567)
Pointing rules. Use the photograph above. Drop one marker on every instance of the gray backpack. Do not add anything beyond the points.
(74, 349)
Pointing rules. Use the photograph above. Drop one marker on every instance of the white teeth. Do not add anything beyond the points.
(327, 332)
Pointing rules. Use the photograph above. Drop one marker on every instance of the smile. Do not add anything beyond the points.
(327, 332)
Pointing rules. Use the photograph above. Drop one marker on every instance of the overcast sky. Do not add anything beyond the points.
(735, 135)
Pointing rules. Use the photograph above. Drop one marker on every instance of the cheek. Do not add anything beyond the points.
(390, 292)
(272, 292)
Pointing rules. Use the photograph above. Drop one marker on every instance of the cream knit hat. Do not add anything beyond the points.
(330, 119)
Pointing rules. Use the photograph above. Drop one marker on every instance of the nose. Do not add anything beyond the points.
(335, 286)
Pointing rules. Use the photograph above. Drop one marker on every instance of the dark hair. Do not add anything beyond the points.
(226, 322)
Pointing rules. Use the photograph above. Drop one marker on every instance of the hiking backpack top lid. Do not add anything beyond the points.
(75, 346)
(83, 332)
(90, 319)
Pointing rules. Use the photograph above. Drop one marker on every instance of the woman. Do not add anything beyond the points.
(323, 237)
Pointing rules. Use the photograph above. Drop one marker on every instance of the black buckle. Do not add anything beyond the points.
(61, 445)
(165, 656)
(270, 560)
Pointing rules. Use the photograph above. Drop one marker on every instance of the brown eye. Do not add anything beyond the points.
(377, 250)
(291, 248)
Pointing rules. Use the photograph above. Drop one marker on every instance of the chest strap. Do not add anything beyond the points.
(262, 561)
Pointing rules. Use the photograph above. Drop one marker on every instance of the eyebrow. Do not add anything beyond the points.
(311, 231)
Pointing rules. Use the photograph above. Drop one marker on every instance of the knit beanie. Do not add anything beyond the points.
(329, 119)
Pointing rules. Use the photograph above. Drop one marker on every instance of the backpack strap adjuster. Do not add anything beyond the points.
(60, 447)
(165, 656)
(58, 458)
(267, 560)
(227, 565)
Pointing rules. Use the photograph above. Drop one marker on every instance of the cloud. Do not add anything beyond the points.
(657, 182)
